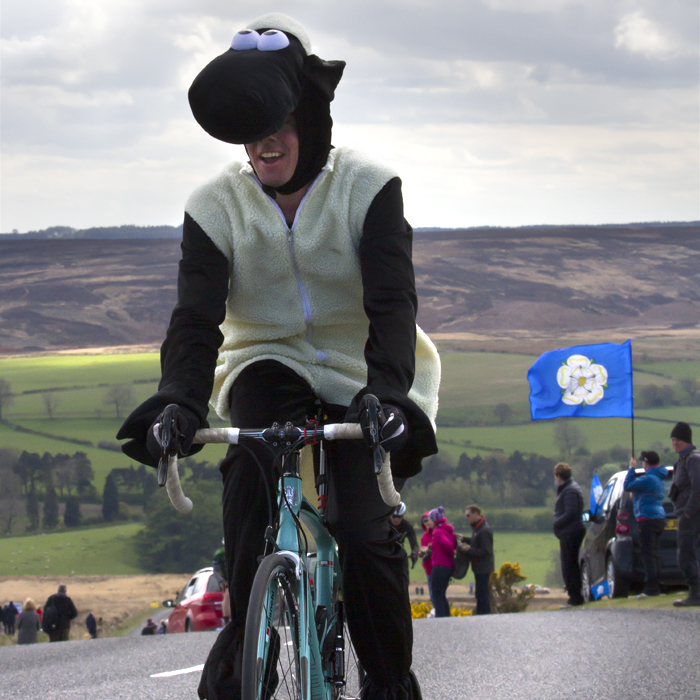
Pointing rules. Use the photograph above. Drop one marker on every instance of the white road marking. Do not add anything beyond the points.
(179, 672)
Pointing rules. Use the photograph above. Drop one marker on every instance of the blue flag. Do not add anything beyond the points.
(596, 491)
(601, 589)
(593, 381)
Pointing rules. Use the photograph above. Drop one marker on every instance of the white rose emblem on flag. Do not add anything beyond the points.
(582, 381)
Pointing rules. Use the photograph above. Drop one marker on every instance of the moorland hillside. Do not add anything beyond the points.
(477, 286)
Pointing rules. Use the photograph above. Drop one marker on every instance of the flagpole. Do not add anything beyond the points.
(633, 453)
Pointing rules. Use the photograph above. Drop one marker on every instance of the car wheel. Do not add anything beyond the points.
(619, 586)
(586, 583)
(188, 625)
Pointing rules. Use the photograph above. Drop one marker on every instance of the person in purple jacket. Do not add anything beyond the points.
(443, 545)
(647, 500)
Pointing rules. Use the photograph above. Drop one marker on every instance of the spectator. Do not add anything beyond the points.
(162, 628)
(426, 552)
(149, 628)
(219, 561)
(9, 615)
(479, 551)
(685, 494)
(647, 498)
(65, 612)
(226, 604)
(569, 529)
(28, 624)
(405, 529)
(443, 545)
(91, 624)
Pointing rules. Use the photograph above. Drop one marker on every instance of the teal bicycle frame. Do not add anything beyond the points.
(315, 680)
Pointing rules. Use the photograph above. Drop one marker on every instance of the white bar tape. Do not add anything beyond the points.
(343, 431)
(390, 495)
(172, 486)
(217, 435)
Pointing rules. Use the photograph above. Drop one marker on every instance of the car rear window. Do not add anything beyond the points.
(215, 584)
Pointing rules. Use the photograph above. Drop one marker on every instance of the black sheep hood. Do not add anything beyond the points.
(246, 93)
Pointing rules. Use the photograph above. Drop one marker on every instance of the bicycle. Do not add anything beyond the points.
(295, 636)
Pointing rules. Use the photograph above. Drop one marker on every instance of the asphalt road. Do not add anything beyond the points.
(565, 655)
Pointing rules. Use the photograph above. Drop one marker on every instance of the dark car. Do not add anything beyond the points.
(611, 547)
(198, 606)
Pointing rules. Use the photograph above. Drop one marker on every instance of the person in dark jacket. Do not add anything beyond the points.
(91, 624)
(569, 529)
(685, 494)
(66, 611)
(9, 616)
(405, 530)
(479, 551)
(150, 628)
(647, 500)
(28, 625)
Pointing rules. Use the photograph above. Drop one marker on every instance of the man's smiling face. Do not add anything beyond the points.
(275, 158)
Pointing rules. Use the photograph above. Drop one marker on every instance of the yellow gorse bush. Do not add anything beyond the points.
(503, 598)
(421, 610)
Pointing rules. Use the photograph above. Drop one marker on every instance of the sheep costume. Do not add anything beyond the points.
(322, 308)
(316, 320)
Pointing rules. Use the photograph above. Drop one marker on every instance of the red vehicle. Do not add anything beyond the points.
(198, 606)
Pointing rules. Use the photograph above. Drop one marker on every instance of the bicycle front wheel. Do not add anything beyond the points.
(272, 665)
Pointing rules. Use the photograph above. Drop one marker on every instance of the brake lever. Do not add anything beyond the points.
(169, 442)
(378, 452)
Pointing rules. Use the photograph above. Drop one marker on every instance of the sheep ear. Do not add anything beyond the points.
(325, 75)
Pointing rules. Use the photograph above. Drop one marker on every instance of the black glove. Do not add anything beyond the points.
(187, 424)
(414, 557)
(393, 427)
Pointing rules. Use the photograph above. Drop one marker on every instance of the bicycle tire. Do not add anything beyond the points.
(272, 665)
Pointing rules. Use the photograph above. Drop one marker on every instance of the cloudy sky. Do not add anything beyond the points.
(494, 112)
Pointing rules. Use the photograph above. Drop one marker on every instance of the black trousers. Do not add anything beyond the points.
(649, 535)
(570, 569)
(440, 579)
(688, 540)
(374, 565)
(482, 595)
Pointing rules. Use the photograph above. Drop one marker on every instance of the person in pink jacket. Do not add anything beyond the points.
(443, 543)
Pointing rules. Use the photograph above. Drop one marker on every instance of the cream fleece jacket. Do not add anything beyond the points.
(295, 294)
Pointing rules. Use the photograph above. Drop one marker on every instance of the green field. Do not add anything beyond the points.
(78, 383)
(538, 437)
(107, 550)
(104, 550)
(675, 370)
(532, 550)
(45, 371)
(473, 383)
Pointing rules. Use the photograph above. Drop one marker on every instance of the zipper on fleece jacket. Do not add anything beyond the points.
(305, 303)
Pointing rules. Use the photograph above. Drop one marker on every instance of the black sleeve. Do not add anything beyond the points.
(389, 293)
(188, 355)
(411, 534)
(391, 303)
